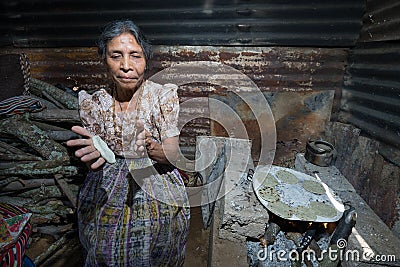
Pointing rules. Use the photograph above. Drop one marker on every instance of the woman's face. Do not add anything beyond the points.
(125, 61)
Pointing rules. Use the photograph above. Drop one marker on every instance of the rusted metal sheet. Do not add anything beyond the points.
(381, 21)
(273, 69)
(371, 94)
(299, 116)
(66, 66)
(66, 23)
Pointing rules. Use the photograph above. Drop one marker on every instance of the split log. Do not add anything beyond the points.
(45, 102)
(52, 249)
(53, 230)
(48, 127)
(44, 201)
(62, 136)
(38, 87)
(57, 115)
(16, 157)
(5, 165)
(66, 190)
(24, 168)
(271, 233)
(6, 181)
(51, 208)
(4, 147)
(53, 100)
(56, 133)
(51, 191)
(11, 140)
(35, 138)
(45, 167)
(295, 237)
(38, 219)
(20, 184)
(9, 152)
(68, 171)
(19, 201)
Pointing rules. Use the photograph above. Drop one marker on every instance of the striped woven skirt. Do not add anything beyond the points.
(12, 255)
(133, 216)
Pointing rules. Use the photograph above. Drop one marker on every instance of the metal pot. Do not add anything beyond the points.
(320, 153)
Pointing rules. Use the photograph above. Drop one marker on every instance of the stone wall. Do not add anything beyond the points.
(375, 178)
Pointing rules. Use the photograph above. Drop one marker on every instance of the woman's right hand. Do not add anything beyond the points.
(87, 153)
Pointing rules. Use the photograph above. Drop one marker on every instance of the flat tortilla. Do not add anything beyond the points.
(281, 209)
(313, 187)
(305, 213)
(287, 177)
(270, 181)
(268, 194)
(323, 209)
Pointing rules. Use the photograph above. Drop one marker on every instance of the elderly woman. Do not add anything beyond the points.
(133, 208)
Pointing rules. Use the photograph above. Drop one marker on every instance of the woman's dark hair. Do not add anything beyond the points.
(118, 27)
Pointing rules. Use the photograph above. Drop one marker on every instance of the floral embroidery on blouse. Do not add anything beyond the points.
(158, 109)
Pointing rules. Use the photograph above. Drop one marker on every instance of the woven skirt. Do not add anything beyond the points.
(133, 216)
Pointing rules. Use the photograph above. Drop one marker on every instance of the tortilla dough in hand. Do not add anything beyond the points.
(103, 148)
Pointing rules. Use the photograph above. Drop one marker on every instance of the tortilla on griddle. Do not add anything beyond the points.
(281, 209)
(313, 187)
(270, 181)
(268, 194)
(287, 177)
(323, 209)
(305, 213)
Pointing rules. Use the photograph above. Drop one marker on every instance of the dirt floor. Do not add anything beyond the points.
(198, 241)
(71, 254)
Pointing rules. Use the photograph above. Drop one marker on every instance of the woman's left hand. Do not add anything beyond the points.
(166, 152)
(150, 144)
(140, 143)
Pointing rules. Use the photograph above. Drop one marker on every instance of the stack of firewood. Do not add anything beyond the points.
(37, 169)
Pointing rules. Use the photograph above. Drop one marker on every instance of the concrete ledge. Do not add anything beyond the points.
(240, 215)
(371, 234)
(237, 216)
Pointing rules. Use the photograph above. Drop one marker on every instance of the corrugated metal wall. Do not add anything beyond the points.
(371, 102)
(371, 94)
(282, 45)
(381, 22)
(273, 69)
(371, 97)
(66, 23)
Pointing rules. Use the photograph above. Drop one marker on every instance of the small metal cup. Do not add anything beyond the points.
(320, 153)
